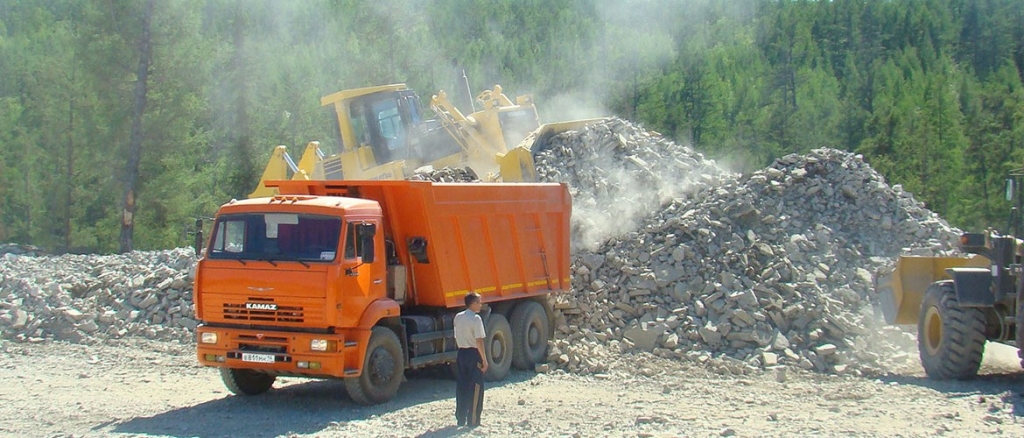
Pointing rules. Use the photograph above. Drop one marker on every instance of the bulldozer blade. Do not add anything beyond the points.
(538, 139)
(517, 165)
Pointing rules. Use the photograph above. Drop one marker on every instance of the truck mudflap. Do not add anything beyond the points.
(900, 292)
(283, 353)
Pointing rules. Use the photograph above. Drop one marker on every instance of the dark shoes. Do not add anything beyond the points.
(461, 423)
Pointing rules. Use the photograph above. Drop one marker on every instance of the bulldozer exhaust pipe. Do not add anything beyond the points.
(461, 80)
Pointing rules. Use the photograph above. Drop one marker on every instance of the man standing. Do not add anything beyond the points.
(471, 363)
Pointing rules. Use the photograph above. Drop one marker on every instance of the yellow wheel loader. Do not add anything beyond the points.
(383, 135)
(958, 303)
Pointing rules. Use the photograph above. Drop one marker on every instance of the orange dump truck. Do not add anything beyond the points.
(360, 280)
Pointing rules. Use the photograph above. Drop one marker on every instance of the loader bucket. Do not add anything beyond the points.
(517, 164)
(900, 292)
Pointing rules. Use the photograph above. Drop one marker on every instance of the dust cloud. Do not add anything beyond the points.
(619, 174)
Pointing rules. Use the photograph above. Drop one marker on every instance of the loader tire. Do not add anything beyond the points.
(246, 382)
(950, 338)
(1019, 320)
(383, 369)
(530, 333)
(498, 346)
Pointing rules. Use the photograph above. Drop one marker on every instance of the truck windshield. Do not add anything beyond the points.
(275, 237)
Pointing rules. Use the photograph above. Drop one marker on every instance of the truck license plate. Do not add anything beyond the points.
(258, 358)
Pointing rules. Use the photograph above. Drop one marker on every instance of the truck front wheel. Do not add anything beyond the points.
(246, 382)
(950, 338)
(383, 368)
(498, 346)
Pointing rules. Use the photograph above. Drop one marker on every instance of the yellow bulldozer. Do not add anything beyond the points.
(383, 135)
(960, 303)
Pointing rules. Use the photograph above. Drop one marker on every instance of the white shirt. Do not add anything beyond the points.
(468, 328)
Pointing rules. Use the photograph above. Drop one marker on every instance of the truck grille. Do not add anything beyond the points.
(263, 344)
(239, 312)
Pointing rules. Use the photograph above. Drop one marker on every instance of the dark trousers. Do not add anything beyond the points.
(469, 389)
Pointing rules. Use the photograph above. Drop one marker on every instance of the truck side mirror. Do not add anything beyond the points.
(418, 249)
(366, 233)
(1009, 189)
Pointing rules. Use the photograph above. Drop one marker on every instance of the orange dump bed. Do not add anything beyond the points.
(503, 241)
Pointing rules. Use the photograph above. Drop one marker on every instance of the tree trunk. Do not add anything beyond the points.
(69, 183)
(70, 165)
(135, 141)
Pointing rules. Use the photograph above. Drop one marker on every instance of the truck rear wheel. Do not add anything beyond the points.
(246, 382)
(383, 368)
(498, 346)
(950, 338)
(529, 334)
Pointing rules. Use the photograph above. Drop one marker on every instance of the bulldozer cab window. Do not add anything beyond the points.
(391, 130)
(409, 104)
(358, 119)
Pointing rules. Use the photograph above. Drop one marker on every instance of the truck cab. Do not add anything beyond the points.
(294, 264)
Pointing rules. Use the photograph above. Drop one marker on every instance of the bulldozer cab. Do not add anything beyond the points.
(383, 122)
(382, 133)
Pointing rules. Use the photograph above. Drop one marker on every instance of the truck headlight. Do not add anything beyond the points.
(208, 338)
(318, 345)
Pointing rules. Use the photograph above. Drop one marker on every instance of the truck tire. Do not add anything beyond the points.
(383, 369)
(498, 346)
(246, 382)
(950, 338)
(530, 333)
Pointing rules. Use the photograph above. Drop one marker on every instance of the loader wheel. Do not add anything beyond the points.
(246, 382)
(1019, 320)
(383, 368)
(498, 346)
(950, 338)
(529, 334)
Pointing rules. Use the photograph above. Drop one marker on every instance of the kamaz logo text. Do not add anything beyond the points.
(261, 306)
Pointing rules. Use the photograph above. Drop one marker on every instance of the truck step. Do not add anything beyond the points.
(432, 336)
(447, 356)
(351, 371)
(350, 344)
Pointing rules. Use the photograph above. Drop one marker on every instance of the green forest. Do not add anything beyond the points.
(154, 113)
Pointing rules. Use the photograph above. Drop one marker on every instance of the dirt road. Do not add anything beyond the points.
(143, 388)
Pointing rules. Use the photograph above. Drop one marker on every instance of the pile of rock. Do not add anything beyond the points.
(775, 268)
(445, 174)
(16, 249)
(80, 298)
(618, 173)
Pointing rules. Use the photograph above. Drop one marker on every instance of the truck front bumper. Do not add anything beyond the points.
(277, 352)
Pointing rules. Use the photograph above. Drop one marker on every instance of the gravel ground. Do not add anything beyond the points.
(146, 388)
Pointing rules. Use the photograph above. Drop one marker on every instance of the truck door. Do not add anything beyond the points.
(363, 260)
